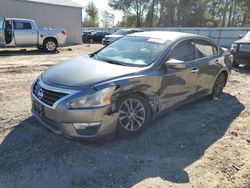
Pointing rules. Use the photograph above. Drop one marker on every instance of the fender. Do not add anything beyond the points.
(43, 37)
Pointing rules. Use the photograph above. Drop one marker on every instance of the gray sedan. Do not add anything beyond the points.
(121, 88)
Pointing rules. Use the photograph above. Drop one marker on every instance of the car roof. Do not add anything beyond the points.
(19, 19)
(164, 35)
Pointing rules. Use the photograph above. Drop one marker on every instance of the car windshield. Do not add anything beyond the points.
(247, 36)
(120, 32)
(132, 51)
(1, 23)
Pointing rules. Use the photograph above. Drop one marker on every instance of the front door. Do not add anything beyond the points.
(25, 33)
(179, 85)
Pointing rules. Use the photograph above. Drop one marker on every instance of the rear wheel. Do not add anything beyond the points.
(50, 45)
(219, 85)
(134, 115)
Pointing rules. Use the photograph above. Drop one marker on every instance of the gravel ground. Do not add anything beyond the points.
(204, 144)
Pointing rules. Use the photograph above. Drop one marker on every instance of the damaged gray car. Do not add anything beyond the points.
(121, 88)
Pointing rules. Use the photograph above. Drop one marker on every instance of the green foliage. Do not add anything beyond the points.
(136, 8)
(91, 19)
(107, 19)
(185, 13)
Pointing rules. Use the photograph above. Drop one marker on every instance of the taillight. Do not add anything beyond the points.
(231, 57)
(64, 33)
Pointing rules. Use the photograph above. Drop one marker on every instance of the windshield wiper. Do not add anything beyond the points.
(111, 61)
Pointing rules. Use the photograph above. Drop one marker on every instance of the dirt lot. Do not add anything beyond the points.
(205, 144)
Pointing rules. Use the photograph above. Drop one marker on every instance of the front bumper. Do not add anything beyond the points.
(242, 58)
(106, 42)
(61, 120)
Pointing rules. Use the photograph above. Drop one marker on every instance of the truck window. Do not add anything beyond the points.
(20, 25)
(1, 23)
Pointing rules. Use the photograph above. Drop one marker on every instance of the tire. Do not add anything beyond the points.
(132, 123)
(219, 85)
(50, 45)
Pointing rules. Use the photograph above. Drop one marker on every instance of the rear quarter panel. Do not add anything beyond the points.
(54, 33)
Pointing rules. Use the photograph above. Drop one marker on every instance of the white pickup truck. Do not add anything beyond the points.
(16, 32)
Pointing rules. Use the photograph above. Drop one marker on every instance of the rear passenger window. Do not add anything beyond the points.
(18, 25)
(204, 48)
(184, 51)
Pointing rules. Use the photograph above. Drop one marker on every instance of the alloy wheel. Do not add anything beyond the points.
(132, 114)
(51, 46)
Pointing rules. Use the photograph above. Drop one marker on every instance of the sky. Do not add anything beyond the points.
(101, 5)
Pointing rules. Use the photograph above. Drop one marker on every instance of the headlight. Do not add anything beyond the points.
(98, 99)
(234, 47)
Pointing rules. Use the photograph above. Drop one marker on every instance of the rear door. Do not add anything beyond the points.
(2, 38)
(210, 64)
(25, 33)
(179, 85)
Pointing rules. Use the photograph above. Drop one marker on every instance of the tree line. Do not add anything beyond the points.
(183, 13)
(92, 17)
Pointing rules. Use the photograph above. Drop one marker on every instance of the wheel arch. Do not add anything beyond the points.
(50, 38)
(151, 99)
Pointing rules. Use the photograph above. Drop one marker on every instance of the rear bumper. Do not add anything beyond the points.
(62, 120)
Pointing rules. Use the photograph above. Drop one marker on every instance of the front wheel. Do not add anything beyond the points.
(219, 85)
(134, 115)
(50, 45)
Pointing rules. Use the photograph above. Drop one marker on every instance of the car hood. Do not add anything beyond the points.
(243, 40)
(114, 36)
(85, 72)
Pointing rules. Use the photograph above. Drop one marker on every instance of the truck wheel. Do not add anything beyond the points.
(134, 115)
(50, 45)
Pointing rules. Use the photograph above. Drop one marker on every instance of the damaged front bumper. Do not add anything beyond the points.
(85, 124)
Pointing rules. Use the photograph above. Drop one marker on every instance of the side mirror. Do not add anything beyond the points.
(240, 36)
(175, 64)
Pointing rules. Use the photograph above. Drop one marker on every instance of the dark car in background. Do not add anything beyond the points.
(84, 36)
(95, 36)
(119, 34)
(121, 88)
(241, 50)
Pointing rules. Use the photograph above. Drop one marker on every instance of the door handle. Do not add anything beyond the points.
(195, 70)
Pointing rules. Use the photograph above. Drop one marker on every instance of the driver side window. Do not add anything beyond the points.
(184, 51)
